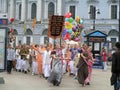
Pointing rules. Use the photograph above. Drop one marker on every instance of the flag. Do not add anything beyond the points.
(34, 22)
(25, 27)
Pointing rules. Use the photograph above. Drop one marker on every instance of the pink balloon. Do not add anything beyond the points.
(77, 39)
(74, 28)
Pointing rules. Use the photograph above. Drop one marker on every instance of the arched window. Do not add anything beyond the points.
(28, 32)
(15, 32)
(20, 11)
(51, 8)
(28, 37)
(46, 39)
(113, 32)
(45, 32)
(33, 11)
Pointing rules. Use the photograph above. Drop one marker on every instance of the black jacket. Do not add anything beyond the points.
(116, 62)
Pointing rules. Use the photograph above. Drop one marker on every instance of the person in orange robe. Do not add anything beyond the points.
(39, 59)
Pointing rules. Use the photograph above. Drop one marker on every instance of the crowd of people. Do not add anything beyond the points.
(52, 62)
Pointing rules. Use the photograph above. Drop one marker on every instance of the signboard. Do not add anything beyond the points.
(55, 27)
(3, 21)
(2, 48)
(96, 39)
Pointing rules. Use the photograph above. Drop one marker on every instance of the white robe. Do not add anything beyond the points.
(64, 66)
(46, 63)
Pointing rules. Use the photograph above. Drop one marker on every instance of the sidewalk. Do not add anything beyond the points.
(21, 81)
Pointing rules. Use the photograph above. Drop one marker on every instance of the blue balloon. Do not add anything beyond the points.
(81, 21)
(64, 32)
(66, 19)
(70, 31)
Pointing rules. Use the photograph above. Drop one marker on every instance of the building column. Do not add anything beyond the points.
(39, 9)
(46, 11)
(4, 6)
(12, 8)
(23, 12)
(59, 7)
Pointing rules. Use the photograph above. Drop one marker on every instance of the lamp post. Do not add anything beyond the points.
(93, 12)
(119, 21)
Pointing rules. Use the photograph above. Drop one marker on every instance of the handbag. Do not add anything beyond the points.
(113, 78)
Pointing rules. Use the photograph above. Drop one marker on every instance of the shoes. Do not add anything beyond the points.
(88, 83)
(83, 85)
(46, 78)
(8, 72)
(25, 72)
(32, 74)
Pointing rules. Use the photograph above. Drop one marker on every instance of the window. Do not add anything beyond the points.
(113, 11)
(72, 10)
(28, 40)
(46, 40)
(20, 11)
(113, 41)
(51, 8)
(33, 11)
(92, 12)
(19, 42)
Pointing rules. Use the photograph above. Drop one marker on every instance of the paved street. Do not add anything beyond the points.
(21, 81)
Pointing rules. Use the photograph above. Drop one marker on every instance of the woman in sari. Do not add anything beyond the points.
(90, 64)
(82, 66)
(56, 72)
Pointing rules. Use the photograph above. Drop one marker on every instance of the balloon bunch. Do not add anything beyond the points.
(11, 35)
(72, 28)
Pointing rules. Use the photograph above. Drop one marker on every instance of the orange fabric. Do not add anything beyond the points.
(39, 59)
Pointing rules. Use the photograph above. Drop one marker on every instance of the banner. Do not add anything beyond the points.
(56, 26)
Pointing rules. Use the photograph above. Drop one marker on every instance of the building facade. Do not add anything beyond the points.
(102, 15)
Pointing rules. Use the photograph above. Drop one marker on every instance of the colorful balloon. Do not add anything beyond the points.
(74, 28)
(81, 21)
(12, 20)
(66, 19)
(71, 20)
(77, 39)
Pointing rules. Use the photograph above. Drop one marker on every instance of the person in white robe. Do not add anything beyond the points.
(46, 62)
(18, 59)
(24, 64)
(34, 62)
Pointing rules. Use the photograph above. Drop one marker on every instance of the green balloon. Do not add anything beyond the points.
(71, 20)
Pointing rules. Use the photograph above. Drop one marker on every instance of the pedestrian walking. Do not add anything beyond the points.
(57, 71)
(10, 58)
(82, 66)
(115, 78)
(104, 58)
(46, 62)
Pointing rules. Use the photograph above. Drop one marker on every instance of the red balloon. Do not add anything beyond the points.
(68, 15)
(67, 36)
(12, 20)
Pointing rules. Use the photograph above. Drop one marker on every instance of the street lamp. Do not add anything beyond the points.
(119, 20)
(93, 12)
